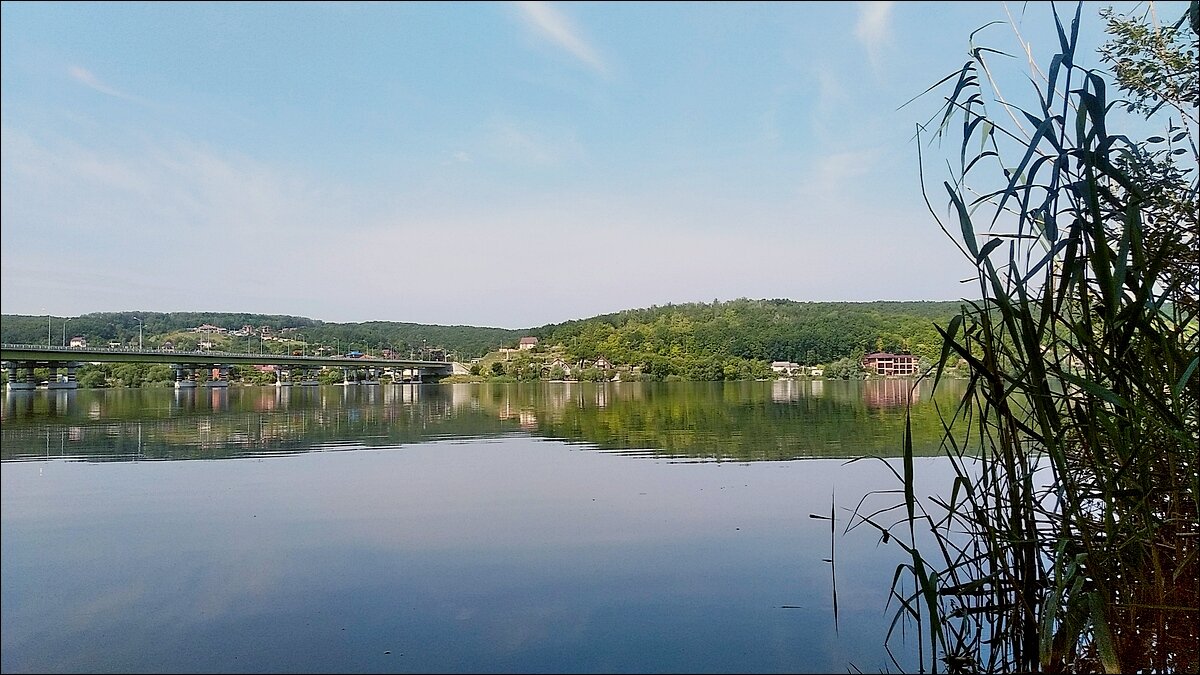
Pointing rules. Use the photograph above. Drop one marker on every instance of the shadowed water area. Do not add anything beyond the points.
(545, 527)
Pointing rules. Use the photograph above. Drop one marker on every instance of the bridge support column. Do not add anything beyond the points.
(308, 377)
(66, 381)
(347, 379)
(221, 379)
(184, 379)
(19, 378)
(280, 372)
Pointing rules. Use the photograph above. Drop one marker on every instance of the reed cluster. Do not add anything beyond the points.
(1069, 540)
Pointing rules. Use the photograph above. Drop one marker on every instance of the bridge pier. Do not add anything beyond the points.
(185, 378)
(20, 376)
(65, 382)
(308, 377)
(280, 371)
(221, 379)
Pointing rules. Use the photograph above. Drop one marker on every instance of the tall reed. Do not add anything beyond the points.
(1068, 542)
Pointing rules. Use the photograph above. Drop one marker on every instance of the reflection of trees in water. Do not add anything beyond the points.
(732, 420)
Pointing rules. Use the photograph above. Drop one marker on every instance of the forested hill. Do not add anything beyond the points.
(103, 327)
(808, 333)
(690, 336)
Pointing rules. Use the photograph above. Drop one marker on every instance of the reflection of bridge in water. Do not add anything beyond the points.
(218, 423)
(189, 367)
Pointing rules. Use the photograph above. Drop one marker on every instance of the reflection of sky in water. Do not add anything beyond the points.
(490, 555)
(500, 552)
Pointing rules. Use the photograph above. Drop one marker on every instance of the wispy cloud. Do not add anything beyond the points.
(831, 178)
(873, 29)
(555, 26)
(88, 79)
(522, 145)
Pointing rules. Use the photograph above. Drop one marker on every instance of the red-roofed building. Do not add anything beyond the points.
(886, 363)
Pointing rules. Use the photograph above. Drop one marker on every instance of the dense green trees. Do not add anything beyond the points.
(737, 339)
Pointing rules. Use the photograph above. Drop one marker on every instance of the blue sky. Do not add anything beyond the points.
(500, 164)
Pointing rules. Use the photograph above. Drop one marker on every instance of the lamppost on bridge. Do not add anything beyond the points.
(47, 329)
(139, 332)
(65, 322)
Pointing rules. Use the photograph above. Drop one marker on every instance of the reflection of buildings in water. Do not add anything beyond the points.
(75, 433)
(601, 396)
(889, 393)
(631, 391)
(559, 395)
(783, 391)
(464, 396)
(817, 387)
(94, 410)
(528, 420)
(264, 400)
(506, 410)
(218, 398)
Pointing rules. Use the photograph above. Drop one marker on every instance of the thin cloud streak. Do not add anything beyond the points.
(89, 80)
(555, 26)
(873, 29)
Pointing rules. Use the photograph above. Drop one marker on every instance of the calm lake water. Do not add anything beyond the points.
(552, 527)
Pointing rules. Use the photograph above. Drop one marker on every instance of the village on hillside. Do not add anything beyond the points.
(529, 359)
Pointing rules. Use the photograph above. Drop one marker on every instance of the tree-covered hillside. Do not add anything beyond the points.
(718, 340)
(690, 335)
(104, 327)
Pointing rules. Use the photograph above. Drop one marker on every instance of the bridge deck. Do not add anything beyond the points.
(44, 354)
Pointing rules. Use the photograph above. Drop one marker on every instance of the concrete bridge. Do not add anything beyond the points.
(20, 361)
